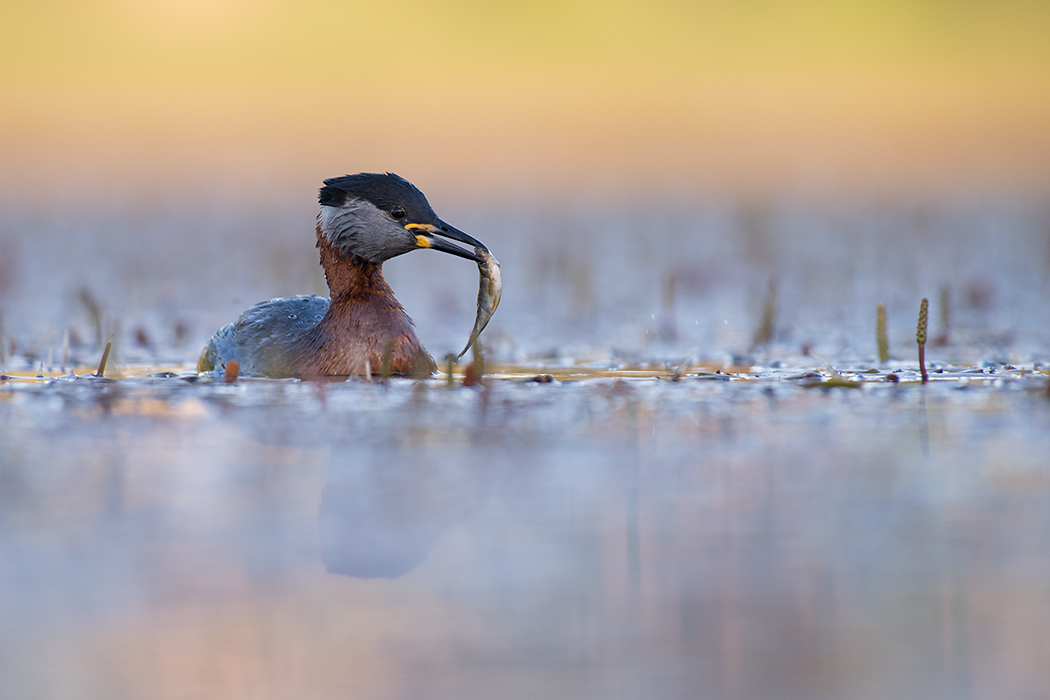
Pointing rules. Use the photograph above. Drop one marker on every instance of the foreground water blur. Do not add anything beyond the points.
(611, 533)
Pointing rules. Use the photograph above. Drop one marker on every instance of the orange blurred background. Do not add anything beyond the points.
(561, 99)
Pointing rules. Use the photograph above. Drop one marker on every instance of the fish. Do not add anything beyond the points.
(490, 289)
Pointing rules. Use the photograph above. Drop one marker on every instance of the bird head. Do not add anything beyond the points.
(377, 216)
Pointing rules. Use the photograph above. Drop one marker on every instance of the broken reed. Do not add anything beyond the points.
(920, 337)
(105, 358)
(881, 337)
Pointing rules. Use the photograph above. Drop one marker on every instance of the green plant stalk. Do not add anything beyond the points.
(881, 337)
(105, 358)
(65, 350)
(764, 334)
(920, 336)
(450, 363)
(946, 313)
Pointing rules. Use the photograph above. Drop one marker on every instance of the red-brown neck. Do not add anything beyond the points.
(348, 276)
(364, 320)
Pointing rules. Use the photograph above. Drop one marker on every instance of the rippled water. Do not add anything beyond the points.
(744, 532)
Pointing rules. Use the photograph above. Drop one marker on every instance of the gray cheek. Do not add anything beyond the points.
(359, 228)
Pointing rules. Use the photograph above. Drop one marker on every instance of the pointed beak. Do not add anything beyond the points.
(426, 238)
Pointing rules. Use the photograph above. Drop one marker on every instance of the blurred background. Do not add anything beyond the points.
(170, 152)
(166, 98)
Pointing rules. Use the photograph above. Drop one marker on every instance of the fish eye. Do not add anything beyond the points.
(397, 213)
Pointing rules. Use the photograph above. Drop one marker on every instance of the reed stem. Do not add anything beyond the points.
(105, 358)
(881, 337)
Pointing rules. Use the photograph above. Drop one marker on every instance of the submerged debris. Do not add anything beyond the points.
(835, 382)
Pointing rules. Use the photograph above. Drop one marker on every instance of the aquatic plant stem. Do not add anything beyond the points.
(65, 350)
(920, 337)
(764, 333)
(94, 310)
(450, 362)
(943, 338)
(881, 337)
(105, 358)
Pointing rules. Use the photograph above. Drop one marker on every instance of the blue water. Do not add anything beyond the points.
(745, 537)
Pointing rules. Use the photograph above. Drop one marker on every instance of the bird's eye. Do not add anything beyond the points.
(397, 213)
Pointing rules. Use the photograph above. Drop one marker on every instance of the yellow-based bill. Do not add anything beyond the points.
(490, 289)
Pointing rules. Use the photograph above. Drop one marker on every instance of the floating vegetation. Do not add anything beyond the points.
(836, 381)
(950, 376)
(920, 337)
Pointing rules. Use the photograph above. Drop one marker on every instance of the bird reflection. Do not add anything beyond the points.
(381, 519)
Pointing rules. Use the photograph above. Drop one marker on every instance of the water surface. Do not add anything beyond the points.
(608, 534)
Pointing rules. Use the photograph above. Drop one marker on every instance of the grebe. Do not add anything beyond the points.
(365, 219)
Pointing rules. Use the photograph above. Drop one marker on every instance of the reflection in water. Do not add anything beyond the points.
(713, 537)
(381, 514)
(636, 539)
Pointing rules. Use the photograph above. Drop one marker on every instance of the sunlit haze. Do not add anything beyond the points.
(555, 98)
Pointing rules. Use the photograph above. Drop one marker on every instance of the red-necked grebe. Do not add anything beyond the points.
(365, 219)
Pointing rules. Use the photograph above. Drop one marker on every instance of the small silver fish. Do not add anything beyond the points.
(490, 288)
